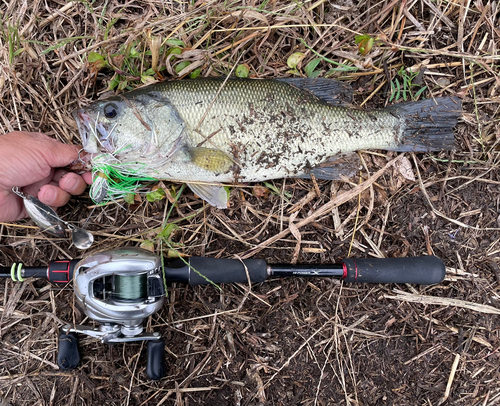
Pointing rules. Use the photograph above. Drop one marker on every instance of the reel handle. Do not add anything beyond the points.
(156, 367)
(68, 356)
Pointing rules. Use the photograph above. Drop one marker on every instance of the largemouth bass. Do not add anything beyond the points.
(210, 132)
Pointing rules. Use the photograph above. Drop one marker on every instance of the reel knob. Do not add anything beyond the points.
(68, 356)
(156, 367)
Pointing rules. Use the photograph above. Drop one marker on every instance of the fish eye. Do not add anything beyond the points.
(110, 110)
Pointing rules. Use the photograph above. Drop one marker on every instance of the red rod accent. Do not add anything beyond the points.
(66, 271)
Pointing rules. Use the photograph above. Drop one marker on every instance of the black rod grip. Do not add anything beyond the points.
(68, 356)
(426, 270)
(156, 367)
(202, 271)
(36, 272)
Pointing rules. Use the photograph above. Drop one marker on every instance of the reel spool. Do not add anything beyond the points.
(118, 289)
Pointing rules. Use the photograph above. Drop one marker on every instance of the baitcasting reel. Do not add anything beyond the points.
(122, 287)
(118, 289)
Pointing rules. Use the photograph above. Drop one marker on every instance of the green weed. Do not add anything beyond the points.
(164, 237)
(340, 67)
(11, 33)
(403, 86)
(132, 63)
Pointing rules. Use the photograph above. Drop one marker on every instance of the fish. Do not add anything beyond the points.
(210, 132)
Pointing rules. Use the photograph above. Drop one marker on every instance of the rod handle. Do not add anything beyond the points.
(202, 271)
(426, 270)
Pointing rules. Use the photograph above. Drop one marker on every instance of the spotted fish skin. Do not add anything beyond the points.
(246, 130)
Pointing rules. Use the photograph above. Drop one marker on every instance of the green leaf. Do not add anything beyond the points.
(174, 51)
(18, 52)
(419, 92)
(167, 231)
(181, 65)
(309, 69)
(194, 74)
(123, 85)
(175, 42)
(398, 91)
(360, 38)
(155, 195)
(315, 74)
(341, 67)
(149, 72)
(242, 71)
(147, 79)
(365, 45)
(113, 83)
(134, 53)
(148, 245)
(295, 59)
(276, 191)
(129, 198)
(94, 57)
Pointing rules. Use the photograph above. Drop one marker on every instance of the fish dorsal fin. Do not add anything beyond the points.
(214, 195)
(328, 90)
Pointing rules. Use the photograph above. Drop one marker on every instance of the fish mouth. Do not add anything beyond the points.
(93, 134)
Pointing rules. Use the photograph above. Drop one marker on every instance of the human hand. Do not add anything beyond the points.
(30, 161)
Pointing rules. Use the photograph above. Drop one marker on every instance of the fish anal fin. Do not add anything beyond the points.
(328, 90)
(214, 195)
(334, 168)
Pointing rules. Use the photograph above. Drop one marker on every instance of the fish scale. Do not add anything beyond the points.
(214, 131)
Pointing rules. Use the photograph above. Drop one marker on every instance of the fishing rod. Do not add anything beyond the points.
(122, 287)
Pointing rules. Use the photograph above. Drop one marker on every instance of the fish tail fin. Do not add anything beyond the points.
(428, 124)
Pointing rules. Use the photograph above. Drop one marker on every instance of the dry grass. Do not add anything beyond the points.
(293, 341)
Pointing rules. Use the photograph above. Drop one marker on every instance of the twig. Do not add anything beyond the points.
(450, 379)
(443, 301)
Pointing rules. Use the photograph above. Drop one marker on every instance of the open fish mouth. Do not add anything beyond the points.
(95, 138)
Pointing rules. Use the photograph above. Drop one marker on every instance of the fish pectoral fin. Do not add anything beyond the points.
(214, 195)
(328, 90)
(336, 166)
(212, 160)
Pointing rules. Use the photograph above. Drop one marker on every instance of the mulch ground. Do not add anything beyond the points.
(283, 342)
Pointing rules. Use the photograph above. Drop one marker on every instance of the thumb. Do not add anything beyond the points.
(57, 154)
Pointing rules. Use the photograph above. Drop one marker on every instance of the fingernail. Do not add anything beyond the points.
(50, 195)
(71, 184)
